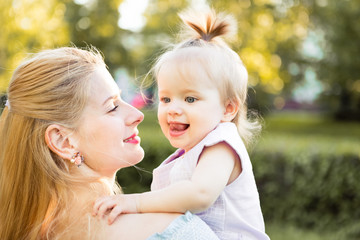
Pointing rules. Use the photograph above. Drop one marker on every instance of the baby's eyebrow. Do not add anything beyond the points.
(164, 92)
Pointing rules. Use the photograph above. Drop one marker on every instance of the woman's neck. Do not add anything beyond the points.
(92, 182)
(86, 171)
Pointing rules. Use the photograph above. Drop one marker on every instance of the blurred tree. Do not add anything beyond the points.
(270, 34)
(27, 26)
(95, 22)
(336, 25)
(161, 26)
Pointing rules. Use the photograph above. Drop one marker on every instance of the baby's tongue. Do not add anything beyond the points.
(178, 126)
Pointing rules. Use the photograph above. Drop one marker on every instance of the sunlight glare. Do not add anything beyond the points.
(131, 14)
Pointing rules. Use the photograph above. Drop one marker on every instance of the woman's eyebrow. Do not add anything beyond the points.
(111, 97)
(115, 96)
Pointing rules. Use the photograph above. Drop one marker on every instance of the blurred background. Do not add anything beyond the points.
(303, 58)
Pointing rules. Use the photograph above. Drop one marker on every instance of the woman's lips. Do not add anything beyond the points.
(177, 129)
(132, 139)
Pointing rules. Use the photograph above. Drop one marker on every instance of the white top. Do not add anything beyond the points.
(236, 214)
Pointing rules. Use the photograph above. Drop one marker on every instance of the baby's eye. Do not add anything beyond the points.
(165, 99)
(190, 99)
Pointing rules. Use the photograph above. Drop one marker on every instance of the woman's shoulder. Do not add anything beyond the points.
(139, 226)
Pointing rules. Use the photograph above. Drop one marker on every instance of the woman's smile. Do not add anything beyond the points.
(133, 139)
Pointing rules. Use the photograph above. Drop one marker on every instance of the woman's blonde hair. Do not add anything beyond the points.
(204, 34)
(36, 185)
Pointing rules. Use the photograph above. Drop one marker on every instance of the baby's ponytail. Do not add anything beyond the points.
(206, 27)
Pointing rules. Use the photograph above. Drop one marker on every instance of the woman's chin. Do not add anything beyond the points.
(136, 157)
(141, 155)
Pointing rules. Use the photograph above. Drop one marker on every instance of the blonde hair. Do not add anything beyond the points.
(204, 43)
(37, 187)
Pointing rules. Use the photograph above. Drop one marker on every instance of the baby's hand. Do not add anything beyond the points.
(116, 204)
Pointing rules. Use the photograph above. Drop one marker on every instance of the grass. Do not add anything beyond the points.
(306, 133)
(277, 231)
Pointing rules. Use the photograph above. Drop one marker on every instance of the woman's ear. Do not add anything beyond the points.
(58, 140)
(231, 109)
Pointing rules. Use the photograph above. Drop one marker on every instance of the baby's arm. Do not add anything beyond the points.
(210, 177)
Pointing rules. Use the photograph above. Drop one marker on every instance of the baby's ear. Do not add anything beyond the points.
(58, 140)
(231, 109)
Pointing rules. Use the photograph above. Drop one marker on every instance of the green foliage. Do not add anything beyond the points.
(26, 27)
(95, 23)
(336, 26)
(306, 169)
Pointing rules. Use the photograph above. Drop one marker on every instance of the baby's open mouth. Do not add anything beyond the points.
(178, 127)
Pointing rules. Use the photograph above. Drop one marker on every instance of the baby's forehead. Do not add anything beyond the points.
(187, 72)
(189, 61)
(209, 66)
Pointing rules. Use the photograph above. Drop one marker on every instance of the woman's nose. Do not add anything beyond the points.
(134, 116)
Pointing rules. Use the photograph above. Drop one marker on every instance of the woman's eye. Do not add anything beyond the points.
(114, 109)
(165, 99)
(190, 99)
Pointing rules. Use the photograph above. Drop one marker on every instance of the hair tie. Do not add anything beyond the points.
(192, 43)
(7, 104)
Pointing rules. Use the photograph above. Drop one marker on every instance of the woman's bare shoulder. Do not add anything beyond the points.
(138, 226)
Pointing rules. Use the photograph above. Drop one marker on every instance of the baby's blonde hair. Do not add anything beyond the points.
(204, 34)
(36, 185)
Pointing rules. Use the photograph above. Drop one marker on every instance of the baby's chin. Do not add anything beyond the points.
(181, 146)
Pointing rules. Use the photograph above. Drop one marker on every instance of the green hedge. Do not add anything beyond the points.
(306, 167)
(320, 193)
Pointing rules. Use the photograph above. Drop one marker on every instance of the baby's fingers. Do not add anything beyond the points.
(98, 204)
(115, 212)
(105, 207)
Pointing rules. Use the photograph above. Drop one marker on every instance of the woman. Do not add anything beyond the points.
(64, 133)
